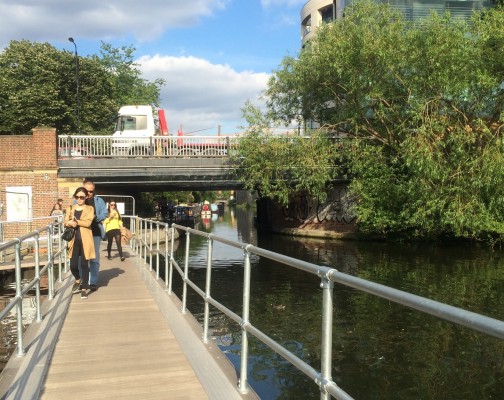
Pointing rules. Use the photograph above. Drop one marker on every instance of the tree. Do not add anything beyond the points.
(422, 107)
(37, 87)
(278, 166)
(127, 84)
(30, 87)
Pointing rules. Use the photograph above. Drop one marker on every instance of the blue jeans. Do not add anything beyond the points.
(94, 263)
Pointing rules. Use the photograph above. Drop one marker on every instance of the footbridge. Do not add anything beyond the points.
(134, 338)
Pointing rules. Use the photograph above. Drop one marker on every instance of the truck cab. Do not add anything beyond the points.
(135, 124)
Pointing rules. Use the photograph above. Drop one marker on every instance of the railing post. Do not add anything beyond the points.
(170, 272)
(38, 316)
(326, 339)
(70, 145)
(242, 384)
(150, 245)
(61, 256)
(134, 230)
(50, 272)
(19, 304)
(207, 288)
(157, 251)
(166, 255)
(50, 257)
(186, 272)
(141, 240)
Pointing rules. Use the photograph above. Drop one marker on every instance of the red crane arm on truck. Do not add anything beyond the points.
(163, 126)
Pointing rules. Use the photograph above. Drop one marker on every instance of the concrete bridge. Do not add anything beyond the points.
(159, 163)
(152, 174)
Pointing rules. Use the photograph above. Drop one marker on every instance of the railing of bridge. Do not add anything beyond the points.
(55, 255)
(151, 233)
(88, 146)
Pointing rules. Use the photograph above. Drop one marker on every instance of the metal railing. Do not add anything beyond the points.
(148, 246)
(87, 146)
(55, 254)
(13, 229)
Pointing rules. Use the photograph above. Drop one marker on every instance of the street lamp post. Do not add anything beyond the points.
(76, 83)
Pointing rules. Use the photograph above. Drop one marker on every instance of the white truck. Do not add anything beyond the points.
(139, 132)
(134, 127)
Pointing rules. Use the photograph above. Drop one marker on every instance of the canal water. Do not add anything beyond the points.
(380, 350)
(8, 326)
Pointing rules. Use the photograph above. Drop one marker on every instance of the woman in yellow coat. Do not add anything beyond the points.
(113, 224)
(80, 216)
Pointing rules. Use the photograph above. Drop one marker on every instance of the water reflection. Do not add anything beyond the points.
(380, 350)
(8, 332)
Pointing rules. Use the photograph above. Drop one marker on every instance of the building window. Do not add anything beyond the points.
(326, 14)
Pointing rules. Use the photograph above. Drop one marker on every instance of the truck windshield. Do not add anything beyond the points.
(131, 123)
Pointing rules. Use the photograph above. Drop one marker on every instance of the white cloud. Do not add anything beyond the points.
(200, 95)
(50, 20)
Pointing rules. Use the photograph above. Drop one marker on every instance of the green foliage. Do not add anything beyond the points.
(30, 85)
(279, 166)
(422, 107)
(128, 86)
(38, 88)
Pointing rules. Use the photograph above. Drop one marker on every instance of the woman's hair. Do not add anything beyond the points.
(80, 189)
(116, 210)
(56, 206)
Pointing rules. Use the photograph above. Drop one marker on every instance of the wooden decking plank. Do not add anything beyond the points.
(116, 344)
(128, 340)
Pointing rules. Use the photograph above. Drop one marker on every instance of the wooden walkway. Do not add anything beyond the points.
(121, 343)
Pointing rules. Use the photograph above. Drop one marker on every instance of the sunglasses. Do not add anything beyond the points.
(112, 205)
(80, 197)
(90, 191)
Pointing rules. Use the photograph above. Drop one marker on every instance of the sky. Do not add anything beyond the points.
(213, 54)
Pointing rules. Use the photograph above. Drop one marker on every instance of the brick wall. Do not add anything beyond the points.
(31, 160)
(28, 152)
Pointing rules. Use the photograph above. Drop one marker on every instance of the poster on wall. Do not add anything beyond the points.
(18, 199)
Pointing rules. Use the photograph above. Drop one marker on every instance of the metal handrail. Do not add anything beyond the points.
(147, 246)
(328, 277)
(323, 378)
(58, 256)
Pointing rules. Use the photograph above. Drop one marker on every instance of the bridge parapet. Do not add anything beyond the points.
(78, 146)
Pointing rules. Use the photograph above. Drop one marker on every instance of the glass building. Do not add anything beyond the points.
(316, 12)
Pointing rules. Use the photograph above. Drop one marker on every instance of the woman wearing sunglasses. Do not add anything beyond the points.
(80, 216)
(113, 224)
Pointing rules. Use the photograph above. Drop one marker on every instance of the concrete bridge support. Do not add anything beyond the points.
(245, 197)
